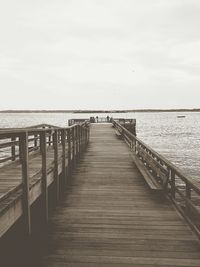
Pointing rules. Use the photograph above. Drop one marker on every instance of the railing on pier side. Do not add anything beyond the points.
(9, 144)
(77, 121)
(18, 145)
(184, 191)
(9, 147)
(92, 120)
(107, 119)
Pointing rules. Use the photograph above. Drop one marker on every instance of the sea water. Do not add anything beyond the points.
(178, 139)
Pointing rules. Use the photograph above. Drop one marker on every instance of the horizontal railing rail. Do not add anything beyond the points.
(77, 121)
(43, 126)
(98, 119)
(183, 190)
(37, 126)
(9, 139)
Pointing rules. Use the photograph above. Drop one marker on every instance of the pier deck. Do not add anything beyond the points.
(109, 216)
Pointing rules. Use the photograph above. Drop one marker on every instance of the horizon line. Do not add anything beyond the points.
(99, 110)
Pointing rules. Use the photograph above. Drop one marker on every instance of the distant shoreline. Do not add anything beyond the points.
(100, 111)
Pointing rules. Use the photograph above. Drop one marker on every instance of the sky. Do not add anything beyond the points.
(99, 54)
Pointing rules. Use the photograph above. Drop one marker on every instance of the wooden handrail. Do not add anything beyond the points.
(19, 144)
(37, 126)
(9, 139)
(183, 190)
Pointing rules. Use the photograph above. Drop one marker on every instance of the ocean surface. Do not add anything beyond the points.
(178, 139)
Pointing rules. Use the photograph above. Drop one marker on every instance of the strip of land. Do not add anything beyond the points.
(100, 111)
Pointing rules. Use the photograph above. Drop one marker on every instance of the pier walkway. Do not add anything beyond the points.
(108, 215)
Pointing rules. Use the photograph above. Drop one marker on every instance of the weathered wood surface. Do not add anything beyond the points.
(110, 217)
(11, 174)
(11, 193)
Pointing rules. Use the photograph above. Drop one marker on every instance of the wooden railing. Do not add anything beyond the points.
(20, 144)
(184, 191)
(10, 138)
(77, 121)
(9, 145)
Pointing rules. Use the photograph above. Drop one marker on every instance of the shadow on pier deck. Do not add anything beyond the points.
(109, 217)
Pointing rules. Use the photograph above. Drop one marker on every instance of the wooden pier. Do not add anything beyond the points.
(41, 155)
(123, 205)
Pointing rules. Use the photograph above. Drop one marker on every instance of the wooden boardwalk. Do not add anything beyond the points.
(109, 217)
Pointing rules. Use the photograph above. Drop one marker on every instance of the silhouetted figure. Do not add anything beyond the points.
(108, 118)
(92, 119)
(97, 119)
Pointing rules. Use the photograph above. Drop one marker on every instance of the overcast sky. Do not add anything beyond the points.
(110, 54)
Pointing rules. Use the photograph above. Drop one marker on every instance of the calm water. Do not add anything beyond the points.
(176, 138)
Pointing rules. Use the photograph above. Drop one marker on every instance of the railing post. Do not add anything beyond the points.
(88, 134)
(80, 141)
(173, 185)
(167, 181)
(77, 129)
(188, 197)
(84, 143)
(49, 138)
(13, 139)
(20, 151)
(56, 176)
(35, 141)
(73, 147)
(82, 138)
(85, 136)
(23, 144)
(69, 151)
(63, 142)
(135, 147)
(44, 176)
